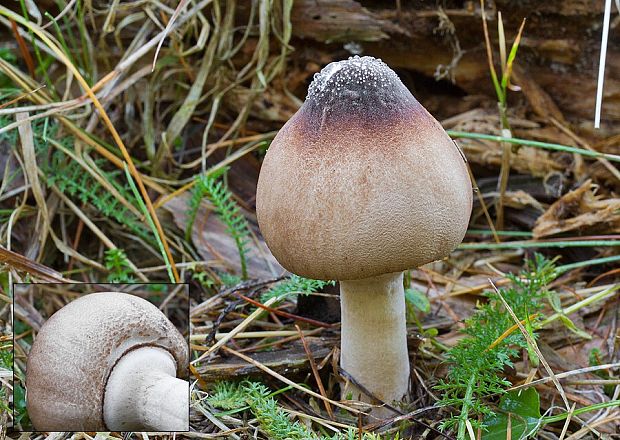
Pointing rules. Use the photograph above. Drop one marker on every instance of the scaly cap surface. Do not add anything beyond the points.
(362, 180)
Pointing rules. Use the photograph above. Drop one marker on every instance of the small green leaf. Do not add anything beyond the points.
(4, 284)
(530, 350)
(19, 399)
(418, 300)
(573, 328)
(431, 332)
(523, 408)
(555, 302)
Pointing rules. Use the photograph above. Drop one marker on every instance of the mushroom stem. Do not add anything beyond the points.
(374, 338)
(143, 393)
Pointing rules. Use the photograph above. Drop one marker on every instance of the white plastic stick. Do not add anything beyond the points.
(601, 66)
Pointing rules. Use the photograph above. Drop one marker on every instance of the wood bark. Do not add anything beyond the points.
(557, 58)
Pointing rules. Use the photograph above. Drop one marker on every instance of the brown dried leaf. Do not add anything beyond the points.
(582, 210)
(37, 270)
(520, 200)
(217, 247)
(527, 160)
(542, 104)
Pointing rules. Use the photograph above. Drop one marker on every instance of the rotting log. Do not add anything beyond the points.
(558, 54)
(290, 361)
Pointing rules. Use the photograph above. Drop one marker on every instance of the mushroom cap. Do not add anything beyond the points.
(77, 347)
(362, 180)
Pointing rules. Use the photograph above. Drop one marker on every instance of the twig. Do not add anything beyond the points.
(287, 381)
(315, 372)
(283, 313)
(255, 314)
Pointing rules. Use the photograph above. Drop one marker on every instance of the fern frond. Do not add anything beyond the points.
(226, 209)
(227, 396)
(273, 419)
(477, 361)
(117, 263)
(72, 180)
(294, 285)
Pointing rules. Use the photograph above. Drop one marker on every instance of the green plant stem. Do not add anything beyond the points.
(535, 144)
(538, 244)
(504, 233)
(61, 38)
(84, 44)
(465, 408)
(578, 305)
(596, 406)
(150, 221)
(244, 265)
(440, 345)
(37, 52)
(504, 171)
(578, 264)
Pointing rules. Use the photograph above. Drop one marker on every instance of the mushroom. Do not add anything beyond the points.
(359, 185)
(108, 362)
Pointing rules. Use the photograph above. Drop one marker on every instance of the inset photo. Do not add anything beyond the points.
(101, 357)
(6, 355)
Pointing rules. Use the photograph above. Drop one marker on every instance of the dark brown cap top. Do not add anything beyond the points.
(359, 88)
(362, 180)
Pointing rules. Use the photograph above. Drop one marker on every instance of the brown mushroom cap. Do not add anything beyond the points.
(76, 349)
(362, 180)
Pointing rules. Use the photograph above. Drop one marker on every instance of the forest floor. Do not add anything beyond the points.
(131, 138)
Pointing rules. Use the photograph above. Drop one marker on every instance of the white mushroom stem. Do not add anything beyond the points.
(374, 338)
(143, 393)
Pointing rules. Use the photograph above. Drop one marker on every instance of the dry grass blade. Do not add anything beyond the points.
(567, 374)
(31, 168)
(23, 264)
(62, 13)
(532, 343)
(185, 112)
(119, 142)
(567, 422)
(256, 335)
(19, 98)
(239, 328)
(169, 27)
(489, 51)
(502, 41)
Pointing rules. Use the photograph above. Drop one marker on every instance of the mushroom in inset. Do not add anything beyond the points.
(359, 185)
(108, 362)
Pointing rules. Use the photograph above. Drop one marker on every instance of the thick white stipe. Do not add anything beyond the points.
(144, 394)
(374, 338)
